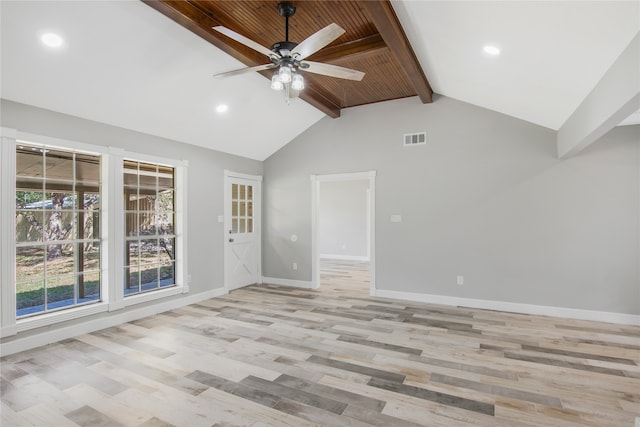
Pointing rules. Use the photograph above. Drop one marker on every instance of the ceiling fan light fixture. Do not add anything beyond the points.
(276, 83)
(297, 82)
(285, 74)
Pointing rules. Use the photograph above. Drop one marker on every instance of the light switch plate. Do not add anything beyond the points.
(396, 218)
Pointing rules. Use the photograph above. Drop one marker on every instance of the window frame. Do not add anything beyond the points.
(117, 299)
(138, 237)
(111, 232)
(75, 240)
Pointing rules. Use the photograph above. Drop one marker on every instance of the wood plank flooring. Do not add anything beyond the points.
(277, 356)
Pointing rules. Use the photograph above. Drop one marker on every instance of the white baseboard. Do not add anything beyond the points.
(8, 331)
(541, 310)
(345, 257)
(90, 325)
(289, 282)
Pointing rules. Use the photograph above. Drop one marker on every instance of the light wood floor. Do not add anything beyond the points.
(277, 356)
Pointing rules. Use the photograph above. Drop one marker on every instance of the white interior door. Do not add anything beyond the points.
(242, 230)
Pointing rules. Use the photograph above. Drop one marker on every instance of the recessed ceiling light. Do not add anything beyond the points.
(51, 40)
(222, 108)
(491, 50)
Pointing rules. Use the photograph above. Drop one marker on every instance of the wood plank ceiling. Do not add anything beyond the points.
(374, 43)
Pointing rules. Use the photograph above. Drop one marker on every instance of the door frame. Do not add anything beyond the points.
(371, 210)
(257, 220)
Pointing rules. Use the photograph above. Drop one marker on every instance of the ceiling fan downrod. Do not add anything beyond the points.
(287, 10)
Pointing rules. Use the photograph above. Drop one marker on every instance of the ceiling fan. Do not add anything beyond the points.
(289, 57)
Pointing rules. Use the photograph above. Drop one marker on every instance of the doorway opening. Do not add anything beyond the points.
(343, 231)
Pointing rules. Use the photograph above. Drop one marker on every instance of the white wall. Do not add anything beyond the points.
(486, 198)
(342, 220)
(204, 195)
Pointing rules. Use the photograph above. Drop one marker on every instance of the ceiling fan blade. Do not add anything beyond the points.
(245, 41)
(333, 71)
(318, 40)
(245, 70)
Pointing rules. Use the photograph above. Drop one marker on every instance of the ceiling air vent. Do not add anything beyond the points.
(418, 138)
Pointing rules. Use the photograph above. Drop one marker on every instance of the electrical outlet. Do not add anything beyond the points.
(189, 278)
(460, 280)
(295, 266)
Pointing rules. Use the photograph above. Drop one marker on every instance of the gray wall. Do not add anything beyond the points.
(205, 178)
(486, 198)
(342, 218)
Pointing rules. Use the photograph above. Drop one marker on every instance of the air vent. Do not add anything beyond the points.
(418, 138)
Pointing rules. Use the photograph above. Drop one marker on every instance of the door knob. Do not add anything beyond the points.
(231, 240)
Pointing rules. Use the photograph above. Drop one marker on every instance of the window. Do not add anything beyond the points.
(241, 209)
(89, 230)
(57, 217)
(150, 240)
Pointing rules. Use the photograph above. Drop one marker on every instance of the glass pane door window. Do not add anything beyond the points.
(241, 209)
(57, 217)
(149, 198)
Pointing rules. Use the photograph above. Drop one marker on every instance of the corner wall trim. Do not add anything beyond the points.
(541, 310)
(91, 325)
(288, 282)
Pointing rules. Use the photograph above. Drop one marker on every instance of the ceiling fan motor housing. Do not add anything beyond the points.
(277, 47)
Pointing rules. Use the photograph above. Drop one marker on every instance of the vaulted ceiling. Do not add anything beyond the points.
(149, 66)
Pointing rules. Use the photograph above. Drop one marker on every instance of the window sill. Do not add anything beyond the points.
(60, 316)
(152, 295)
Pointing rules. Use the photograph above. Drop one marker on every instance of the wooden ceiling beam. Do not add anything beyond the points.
(321, 102)
(352, 50)
(387, 24)
(194, 19)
